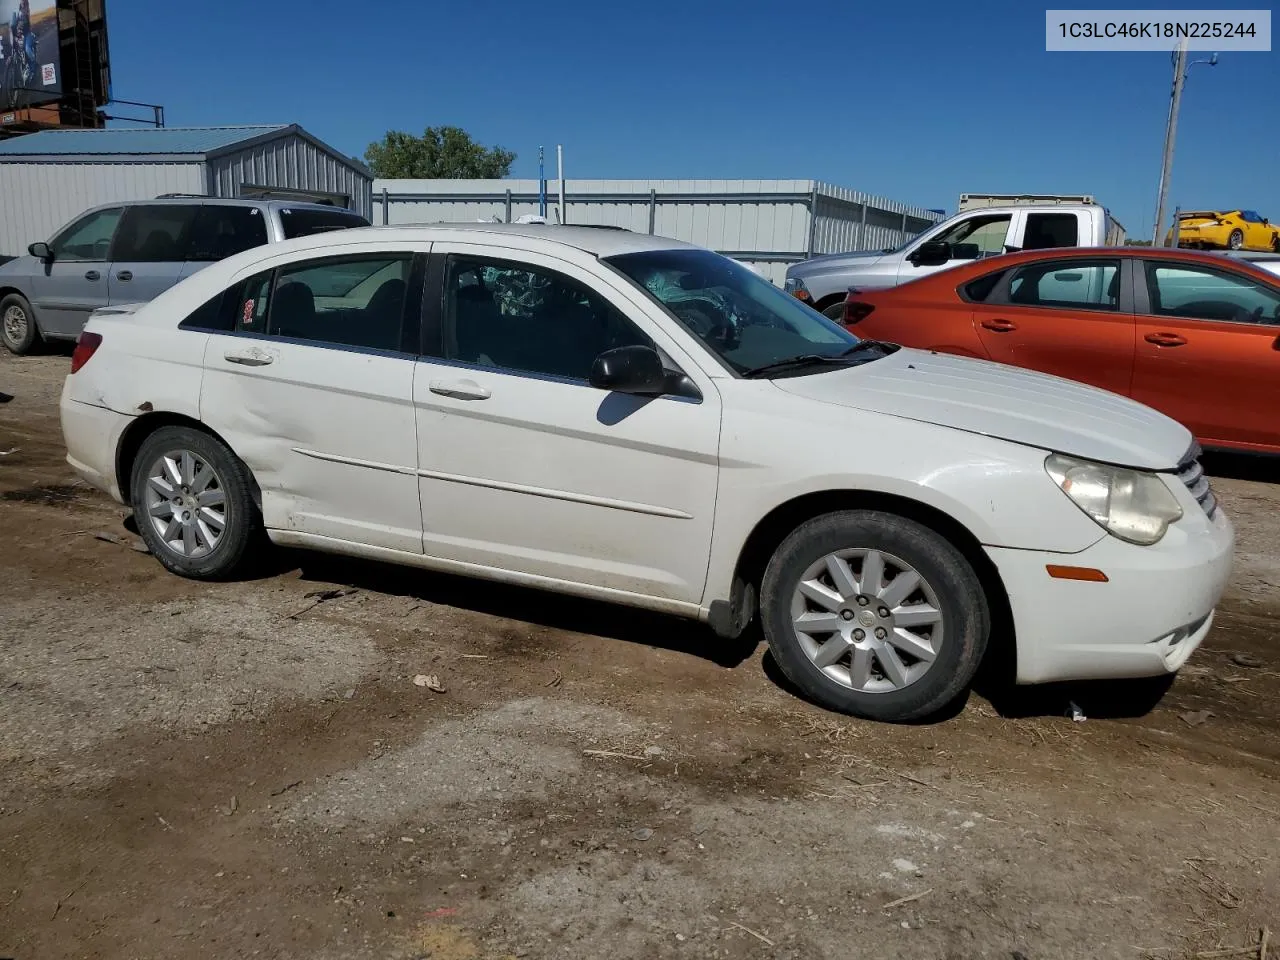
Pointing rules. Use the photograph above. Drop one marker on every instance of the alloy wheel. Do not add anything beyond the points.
(186, 504)
(15, 324)
(868, 620)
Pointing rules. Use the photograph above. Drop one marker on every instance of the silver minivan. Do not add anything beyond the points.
(132, 252)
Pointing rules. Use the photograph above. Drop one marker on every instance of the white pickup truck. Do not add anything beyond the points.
(823, 282)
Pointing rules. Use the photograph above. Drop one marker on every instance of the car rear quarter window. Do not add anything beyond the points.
(210, 315)
(978, 290)
(1067, 285)
(155, 233)
(223, 230)
(305, 222)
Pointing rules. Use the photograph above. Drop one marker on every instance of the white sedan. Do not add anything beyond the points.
(629, 418)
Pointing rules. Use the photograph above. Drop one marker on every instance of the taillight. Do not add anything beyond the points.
(855, 311)
(86, 347)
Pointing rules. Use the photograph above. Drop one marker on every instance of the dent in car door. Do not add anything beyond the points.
(1064, 317)
(1206, 356)
(326, 427)
(545, 475)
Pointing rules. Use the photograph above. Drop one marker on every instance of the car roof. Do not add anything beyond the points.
(271, 202)
(599, 241)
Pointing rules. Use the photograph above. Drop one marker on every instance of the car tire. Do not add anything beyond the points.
(1236, 240)
(18, 327)
(835, 312)
(193, 504)
(864, 674)
(1275, 242)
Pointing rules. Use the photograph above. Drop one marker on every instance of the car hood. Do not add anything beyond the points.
(834, 262)
(1004, 402)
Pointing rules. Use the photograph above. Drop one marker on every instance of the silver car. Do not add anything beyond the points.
(132, 252)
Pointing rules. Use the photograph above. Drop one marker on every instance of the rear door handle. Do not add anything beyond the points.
(251, 358)
(1000, 326)
(1165, 339)
(92, 275)
(460, 389)
(124, 275)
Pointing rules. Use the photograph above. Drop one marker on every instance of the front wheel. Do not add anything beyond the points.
(18, 324)
(875, 615)
(192, 503)
(1236, 240)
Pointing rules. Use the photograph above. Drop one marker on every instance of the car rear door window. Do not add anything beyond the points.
(1046, 230)
(349, 301)
(155, 233)
(1202, 293)
(89, 238)
(305, 222)
(223, 230)
(1067, 285)
(529, 319)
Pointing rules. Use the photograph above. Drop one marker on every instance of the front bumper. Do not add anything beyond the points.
(92, 435)
(1151, 615)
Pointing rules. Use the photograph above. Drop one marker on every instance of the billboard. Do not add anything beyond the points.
(30, 68)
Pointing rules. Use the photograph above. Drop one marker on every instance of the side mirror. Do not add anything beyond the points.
(931, 253)
(40, 251)
(635, 369)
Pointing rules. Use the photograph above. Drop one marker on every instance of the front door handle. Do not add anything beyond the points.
(124, 275)
(999, 326)
(92, 275)
(253, 358)
(1165, 339)
(460, 389)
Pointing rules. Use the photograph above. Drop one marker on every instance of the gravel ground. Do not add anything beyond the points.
(212, 770)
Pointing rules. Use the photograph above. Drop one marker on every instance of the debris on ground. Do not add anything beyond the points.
(1194, 718)
(5, 453)
(231, 807)
(320, 596)
(644, 833)
(1247, 660)
(430, 681)
(1075, 713)
(133, 543)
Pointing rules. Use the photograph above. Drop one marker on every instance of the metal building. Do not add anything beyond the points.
(766, 223)
(47, 178)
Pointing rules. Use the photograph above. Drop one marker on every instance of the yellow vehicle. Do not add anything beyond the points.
(1234, 230)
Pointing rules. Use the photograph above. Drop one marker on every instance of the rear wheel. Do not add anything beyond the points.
(875, 615)
(18, 324)
(192, 503)
(1236, 240)
(1275, 242)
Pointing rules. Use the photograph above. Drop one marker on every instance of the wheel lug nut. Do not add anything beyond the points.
(846, 614)
(881, 633)
(863, 601)
(884, 612)
(859, 635)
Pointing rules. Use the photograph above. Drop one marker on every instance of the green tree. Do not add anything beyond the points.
(441, 153)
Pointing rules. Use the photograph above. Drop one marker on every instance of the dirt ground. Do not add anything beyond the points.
(247, 770)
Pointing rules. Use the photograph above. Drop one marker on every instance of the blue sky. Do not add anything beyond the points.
(917, 101)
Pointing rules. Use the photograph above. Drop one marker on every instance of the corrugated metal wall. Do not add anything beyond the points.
(765, 223)
(291, 162)
(37, 198)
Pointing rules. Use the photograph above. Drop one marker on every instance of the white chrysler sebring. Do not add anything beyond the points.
(634, 419)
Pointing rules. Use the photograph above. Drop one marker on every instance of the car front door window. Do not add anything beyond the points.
(88, 238)
(526, 319)
(981, 236)
(351, 302)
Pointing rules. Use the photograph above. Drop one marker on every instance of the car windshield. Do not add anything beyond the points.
(741, 317)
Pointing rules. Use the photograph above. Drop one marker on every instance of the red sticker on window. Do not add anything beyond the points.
(248, 312)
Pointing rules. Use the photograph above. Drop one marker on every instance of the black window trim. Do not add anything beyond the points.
(999, 297)
(962, 289)
(436, 323)
(1142, 291)
(413, 307)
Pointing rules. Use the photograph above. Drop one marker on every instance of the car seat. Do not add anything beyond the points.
(293, 310)
(382, 315)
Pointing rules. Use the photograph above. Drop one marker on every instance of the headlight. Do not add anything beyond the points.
(1129, 504)
(795, 286)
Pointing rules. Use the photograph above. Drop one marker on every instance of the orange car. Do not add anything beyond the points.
(1195, 335)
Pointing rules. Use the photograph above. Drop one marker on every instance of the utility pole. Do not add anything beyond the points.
(1180, 70)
